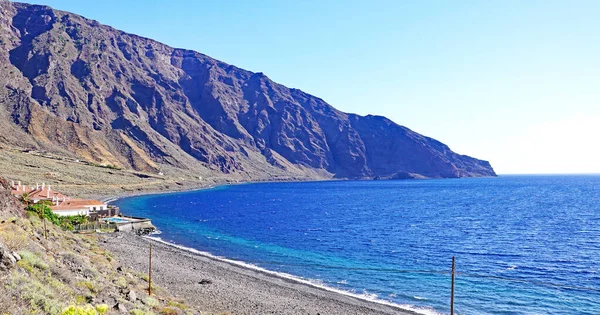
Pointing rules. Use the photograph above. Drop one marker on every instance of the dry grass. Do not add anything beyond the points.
(81, 180)
(67, 275)
(13, 237)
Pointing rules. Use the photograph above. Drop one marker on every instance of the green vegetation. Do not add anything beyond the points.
(151, 302)
(177, 305)
(100, 309)
(14, 241)
(25, 198)
(30, 260)
(44, 212)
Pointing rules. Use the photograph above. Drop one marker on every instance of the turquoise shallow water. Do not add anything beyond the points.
(523, 244)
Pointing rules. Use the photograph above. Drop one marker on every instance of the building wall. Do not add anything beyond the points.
(136, 225)
(63, 213)
(98, 208)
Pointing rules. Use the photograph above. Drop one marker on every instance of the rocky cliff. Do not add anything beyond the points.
(75, 86)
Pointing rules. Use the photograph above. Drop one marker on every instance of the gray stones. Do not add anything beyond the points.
(7, 260)
(131, 296)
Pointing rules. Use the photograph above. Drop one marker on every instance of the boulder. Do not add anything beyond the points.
(131, 296)
(119, 307)
(7, 260)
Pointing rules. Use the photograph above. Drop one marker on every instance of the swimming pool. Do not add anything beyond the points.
(116, 220)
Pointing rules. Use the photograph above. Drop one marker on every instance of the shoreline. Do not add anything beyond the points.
(112, 198)
(306, 285)
(286, 294)
(216, 184)
(408, 309)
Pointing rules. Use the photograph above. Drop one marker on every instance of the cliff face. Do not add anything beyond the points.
(72, 85)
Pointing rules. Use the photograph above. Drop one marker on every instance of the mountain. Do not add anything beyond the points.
(73, 86)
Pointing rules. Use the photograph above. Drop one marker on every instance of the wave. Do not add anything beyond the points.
(365, 296)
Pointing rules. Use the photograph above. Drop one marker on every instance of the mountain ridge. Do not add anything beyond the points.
(72, 85)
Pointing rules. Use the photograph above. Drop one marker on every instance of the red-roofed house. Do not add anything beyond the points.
(37, 192)
(61, 204)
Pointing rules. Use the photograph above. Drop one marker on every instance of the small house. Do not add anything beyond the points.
(77, 207)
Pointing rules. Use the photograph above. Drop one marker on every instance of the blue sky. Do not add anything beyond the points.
(513, 82)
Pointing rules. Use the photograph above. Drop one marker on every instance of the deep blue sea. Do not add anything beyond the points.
(523, 244)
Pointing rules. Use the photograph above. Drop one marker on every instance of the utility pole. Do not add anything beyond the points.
(452, 288)
(150, 272)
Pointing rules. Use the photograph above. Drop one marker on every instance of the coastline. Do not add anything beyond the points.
(316, 298)
(113, 198)
(216, 284)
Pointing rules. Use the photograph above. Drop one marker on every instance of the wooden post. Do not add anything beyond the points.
(150, 272)
(45, 229)
(452, 288)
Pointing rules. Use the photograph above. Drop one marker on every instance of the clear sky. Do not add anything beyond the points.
(513, 82)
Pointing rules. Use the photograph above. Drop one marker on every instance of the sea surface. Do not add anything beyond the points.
(523, 244)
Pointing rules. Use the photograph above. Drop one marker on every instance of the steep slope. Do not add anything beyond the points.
(73, 85)
(40, 275)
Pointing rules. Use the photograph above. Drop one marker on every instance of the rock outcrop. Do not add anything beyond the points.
(7, 259)
(10, 207)
(75, 86)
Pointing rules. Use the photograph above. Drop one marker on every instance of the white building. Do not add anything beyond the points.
(61, 204)
(77, 207)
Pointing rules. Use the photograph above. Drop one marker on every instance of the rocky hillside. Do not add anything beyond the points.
(9, 206)
(68, 273)
(74, 86)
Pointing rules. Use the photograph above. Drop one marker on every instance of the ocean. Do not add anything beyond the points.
(523, 244)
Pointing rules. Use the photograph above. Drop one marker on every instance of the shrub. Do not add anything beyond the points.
(80, 299)
(179, 305)
(102, 308)
(88, 285)
(57, 285)
(67, 226)
(74, 219)
(121, 283)
(79, 310)
(14, 240)
(169, 311)
(43, 210)
(151, 302)
(31, 259)
(39, 297)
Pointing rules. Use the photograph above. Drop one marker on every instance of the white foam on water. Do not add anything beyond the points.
(111, 200)
(311, 282)
(156, 232)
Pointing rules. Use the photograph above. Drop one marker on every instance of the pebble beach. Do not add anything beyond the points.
(216, 286)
